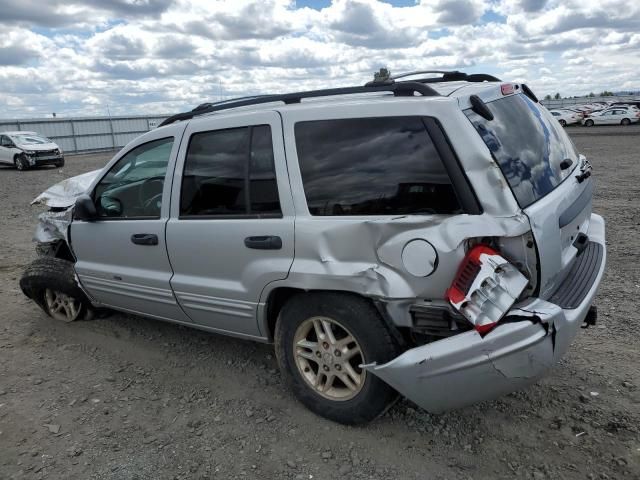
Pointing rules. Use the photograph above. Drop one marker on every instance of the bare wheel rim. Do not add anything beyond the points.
(329, 358)
(62, 306)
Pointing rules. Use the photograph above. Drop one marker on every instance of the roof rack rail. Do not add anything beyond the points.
(398, 89)
(448, 76)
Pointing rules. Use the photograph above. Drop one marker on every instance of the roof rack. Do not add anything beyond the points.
(449, 76)
(382, 82)
(400, 89)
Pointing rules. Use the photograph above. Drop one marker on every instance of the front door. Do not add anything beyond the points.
(608, 117)
(231, 226)
(122, 258)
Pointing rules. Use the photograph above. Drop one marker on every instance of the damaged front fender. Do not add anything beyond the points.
(60, 198)
(64, 193)
(52, 226)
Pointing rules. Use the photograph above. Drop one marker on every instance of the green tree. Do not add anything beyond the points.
(547, 97)
(557, 96)
(591, 95)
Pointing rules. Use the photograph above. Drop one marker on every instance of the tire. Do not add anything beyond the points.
(59, 164)
(47, 279)
(563, 123)
(625, 122)
(588, 123)
(355, 316)
(20, 162)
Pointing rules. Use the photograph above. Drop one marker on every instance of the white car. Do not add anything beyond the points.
(26, 150)
(566, 117)
(613, 116)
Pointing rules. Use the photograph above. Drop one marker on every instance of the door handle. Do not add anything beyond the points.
(268, 242)
(144, 238)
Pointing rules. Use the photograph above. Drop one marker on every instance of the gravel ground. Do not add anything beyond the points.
(128, 398)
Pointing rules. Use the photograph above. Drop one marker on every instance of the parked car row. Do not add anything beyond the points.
(599, 113)
(25, 150)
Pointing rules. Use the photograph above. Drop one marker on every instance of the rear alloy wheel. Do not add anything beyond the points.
(21, 163)
(563, 123)
(322, 341)
(625, 121)
(589, 123)
(328, 357)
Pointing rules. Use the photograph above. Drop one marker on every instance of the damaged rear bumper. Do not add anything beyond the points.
(468, 368)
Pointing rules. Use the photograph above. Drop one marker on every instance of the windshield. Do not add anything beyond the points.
(528, 144)
(28, 139)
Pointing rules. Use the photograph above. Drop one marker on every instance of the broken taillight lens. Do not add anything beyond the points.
(485, 287)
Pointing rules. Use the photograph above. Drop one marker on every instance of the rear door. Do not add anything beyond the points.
(543, 170)
(231, 228)
(121, 256)
(619, 115)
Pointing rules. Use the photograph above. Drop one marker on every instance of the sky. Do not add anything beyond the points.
(162, 56)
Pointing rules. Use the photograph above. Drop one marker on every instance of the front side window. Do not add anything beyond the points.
(133, 186)
(372, 166)
(230, 173)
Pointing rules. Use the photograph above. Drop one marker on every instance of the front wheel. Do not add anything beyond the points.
(51, 283)
(563, 123)
(589, 123)
(322, 340)
(625, 121)
(21, 163)
(59, 163)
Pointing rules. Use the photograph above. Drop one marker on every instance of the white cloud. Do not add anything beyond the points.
(142, 56)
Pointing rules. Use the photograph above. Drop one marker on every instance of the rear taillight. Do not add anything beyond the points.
(485, 287)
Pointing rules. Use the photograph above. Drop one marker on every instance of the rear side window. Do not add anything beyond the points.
(528, 144)
(230, 172)
(372, 166)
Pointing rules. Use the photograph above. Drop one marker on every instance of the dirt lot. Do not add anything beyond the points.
(129, 398)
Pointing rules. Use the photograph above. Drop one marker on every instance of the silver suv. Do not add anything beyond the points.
(431, 237)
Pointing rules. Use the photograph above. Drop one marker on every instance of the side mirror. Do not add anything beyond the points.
(84, 208)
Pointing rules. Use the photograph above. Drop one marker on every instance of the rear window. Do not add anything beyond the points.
(528, 144)
(230, 172)
(372, 166)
